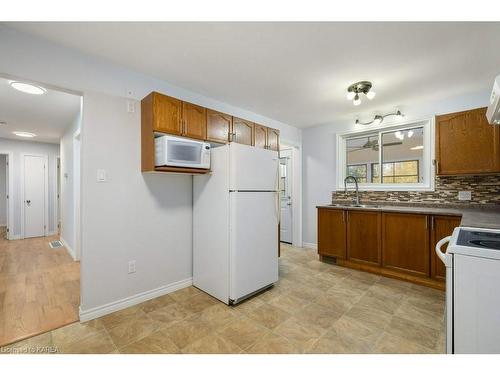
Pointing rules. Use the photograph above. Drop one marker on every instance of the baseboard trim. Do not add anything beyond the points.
(111, 307)
(71, 252)
(15, 237)
(310, 245)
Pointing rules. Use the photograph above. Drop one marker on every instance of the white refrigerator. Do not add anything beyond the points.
(235, 223)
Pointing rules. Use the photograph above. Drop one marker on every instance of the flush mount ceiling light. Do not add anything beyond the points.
(27, 88)
(362, 87)
(377, 120)
(24, 134)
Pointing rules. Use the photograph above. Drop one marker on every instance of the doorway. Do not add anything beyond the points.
(286, 227)
(35, 195)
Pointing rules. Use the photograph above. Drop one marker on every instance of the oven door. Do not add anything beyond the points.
(186, 153)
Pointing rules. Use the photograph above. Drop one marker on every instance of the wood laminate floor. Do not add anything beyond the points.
(314, 308)
(39, 288)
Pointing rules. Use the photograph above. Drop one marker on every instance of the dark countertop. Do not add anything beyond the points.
(471, 217)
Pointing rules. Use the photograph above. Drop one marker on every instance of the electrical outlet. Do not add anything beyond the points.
(131, 266)
(464, 195)
(130, 106)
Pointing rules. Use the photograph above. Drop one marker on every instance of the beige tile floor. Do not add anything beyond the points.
(314, 308)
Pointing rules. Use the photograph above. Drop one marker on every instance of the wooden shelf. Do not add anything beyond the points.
(182, 170)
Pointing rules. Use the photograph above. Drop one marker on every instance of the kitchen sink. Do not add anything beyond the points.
(355, 205)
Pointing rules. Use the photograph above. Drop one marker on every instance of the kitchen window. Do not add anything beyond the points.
(403, 152)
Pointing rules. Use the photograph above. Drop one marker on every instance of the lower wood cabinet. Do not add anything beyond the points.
(363, 236)
(441, 226)
(331, 233)
(394, 244)
(405, 243)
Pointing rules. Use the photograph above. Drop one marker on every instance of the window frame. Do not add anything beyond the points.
(428, 170)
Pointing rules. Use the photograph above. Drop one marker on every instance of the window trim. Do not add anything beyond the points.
(428, 170)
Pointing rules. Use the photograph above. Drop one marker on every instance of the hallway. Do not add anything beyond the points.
(39, 288)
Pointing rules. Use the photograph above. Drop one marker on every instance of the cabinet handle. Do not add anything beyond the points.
(437, 166)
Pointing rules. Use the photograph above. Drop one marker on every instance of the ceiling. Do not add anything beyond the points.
(48, 115)
(297, 73)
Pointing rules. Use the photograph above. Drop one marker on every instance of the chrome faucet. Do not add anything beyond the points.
(357, 187)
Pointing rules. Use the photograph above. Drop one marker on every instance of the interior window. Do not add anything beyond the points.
(400, 155)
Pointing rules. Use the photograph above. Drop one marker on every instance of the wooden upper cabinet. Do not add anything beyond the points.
(242, 131)
(273, 139)
(466, 143)
(331, 232)
(167, 114)
(260, 136)
(363, 236)
(405, 243)
(218, 126)
(441, 226)
(194, 120)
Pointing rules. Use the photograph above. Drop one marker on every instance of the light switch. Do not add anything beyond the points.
(101, 175)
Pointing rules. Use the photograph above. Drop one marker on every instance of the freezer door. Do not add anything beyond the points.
(253, 242)
(253, 168)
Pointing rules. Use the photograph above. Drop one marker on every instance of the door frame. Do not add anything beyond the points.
(288, 187)
(77, 143)
(46, 195)
(56, 191)
(295, 189)
(10, 191)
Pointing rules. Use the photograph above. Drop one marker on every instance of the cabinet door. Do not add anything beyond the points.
(363, 237)
(218, 126)
(195, 121)
(242, 131)
(260, 136)
(331, 232)
(441, 226)
(405, 243)
(466, 143)
(273, 139)
(167, 114)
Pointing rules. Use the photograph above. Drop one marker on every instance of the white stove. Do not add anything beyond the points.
(472, 262)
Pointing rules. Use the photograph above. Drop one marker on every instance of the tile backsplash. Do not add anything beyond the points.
(485, 190)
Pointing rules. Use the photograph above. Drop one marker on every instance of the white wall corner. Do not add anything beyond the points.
(310, 245)
(96, 312)
(68, 248)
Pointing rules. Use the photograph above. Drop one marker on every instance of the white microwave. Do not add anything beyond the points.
(181, 152)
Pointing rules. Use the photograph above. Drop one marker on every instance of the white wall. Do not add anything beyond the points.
(3, 190)
(18, 148)
(319, 154)
(69, 177)
(139, 217)
(132, 216)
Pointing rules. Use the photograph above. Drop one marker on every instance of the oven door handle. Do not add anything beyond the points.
(439, 253)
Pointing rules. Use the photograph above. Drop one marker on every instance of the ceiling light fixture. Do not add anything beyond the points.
(362, 87)
(421, 147)
(28, 88)
(377, 120)
(24, 134)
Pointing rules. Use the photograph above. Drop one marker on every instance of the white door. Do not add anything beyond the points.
(34, 195)
(286, 200)
(252, 168)
(253, 242)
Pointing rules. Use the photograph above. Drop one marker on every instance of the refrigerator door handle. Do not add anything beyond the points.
(278, 211)
(441, 254)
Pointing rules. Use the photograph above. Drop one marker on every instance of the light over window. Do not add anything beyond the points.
(402, 152)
